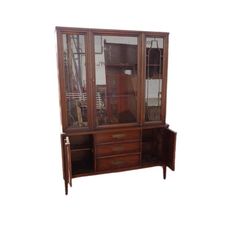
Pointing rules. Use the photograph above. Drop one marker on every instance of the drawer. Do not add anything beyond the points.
(117, 148)
(117, 136)
(117, 162)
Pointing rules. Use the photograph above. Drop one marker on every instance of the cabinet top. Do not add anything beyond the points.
(107, 31)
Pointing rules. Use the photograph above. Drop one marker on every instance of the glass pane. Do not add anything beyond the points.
(75, 80)
(153, 81)
(116, 79)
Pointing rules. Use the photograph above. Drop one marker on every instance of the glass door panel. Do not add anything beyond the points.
(153, 79)
(116, 79)
(75, 80)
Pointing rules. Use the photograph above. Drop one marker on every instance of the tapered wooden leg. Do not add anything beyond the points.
(164, 171)
(66, 188)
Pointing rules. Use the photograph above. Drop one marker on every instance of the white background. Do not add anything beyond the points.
(197, 199)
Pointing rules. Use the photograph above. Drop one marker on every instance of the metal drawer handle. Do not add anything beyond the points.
(118, 149)
(118, 136)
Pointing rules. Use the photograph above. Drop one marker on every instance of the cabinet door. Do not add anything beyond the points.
(68, 166)
(169, 143)
(74, 80)
(116, 78)
(153, 78)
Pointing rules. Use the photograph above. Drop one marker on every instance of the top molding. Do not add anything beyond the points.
(108, 31)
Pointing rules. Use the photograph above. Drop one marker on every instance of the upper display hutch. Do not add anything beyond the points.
(113, 101)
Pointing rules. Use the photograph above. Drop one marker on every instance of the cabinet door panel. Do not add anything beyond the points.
(169, 143)
(153, 78)
(75, 77)
(116, 78)
(68, 167)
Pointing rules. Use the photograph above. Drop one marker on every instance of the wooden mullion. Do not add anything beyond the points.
(90, 80)
(142, 78)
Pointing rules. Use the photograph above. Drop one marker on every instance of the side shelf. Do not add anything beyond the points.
(82, 161)
(82, 154)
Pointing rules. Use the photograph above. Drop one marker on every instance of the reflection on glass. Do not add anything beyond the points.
(116, 79)
(75, 79)
(153, 81)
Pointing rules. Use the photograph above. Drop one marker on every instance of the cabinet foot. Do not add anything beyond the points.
(66, 188)
(164, 171)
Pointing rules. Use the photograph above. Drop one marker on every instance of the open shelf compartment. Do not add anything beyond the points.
(82, 160)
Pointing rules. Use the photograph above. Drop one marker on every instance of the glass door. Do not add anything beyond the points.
(116, 79)
(75, 80)
(153, 78)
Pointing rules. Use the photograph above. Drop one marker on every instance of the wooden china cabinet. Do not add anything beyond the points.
(113, 87)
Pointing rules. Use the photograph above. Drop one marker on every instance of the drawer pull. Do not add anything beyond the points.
(117, 162)
(118, 149)
(118, 136)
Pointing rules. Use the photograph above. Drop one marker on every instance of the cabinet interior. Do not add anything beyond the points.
(82, 159)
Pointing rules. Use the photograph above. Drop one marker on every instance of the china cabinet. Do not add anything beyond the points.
(113, 86)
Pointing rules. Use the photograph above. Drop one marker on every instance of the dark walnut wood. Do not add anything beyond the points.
(113, 86)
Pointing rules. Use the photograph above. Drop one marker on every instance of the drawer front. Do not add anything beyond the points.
(118, 162)
(117, 148)
(117, 136)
